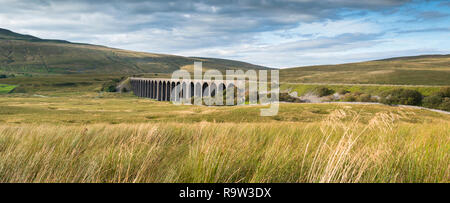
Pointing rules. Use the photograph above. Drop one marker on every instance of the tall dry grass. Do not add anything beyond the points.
(338, 149)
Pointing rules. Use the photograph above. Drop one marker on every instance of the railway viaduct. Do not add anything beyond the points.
(161, 89)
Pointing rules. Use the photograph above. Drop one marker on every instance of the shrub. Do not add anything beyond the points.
(439, 100)
(445, 105)
(365, 98)
(357, 96)
(444, 92)
(109, 86)
(323, 91)
(402, 96)
(343, 91)
(3, 76)
(288, 98)
(433, 101)
(349, 97)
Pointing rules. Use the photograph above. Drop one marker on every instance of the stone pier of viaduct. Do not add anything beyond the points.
(161, 89)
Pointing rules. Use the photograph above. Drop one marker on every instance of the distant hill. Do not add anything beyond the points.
(29, 54)
(9, 35)
(411, 70)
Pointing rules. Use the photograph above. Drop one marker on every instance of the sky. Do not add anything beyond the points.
(278, 33)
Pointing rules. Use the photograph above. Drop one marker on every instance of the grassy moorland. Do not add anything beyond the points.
(416, 70)
(120, 138)
(28, 54)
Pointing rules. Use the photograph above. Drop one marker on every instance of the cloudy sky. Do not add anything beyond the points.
(279, 33)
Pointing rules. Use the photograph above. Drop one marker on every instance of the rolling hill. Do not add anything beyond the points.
(29, 54)
(413, 70)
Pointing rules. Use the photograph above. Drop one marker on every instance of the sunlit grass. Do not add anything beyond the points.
(337, 149)
(111, 138)
(419, 70)
(111, 110)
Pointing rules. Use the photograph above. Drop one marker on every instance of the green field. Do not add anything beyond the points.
(4, 89)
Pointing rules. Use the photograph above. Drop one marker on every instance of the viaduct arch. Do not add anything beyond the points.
(161, 89)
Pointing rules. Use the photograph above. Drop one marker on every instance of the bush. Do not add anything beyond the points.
(288, 98)
(432, 101)
(323, 91)
(365, 98)
(343, 91)
(445, 105)
(349, 97)
(357, 96)
(3, 76)
(444, 92)
(402, 96)
(439, 100)
(109, 86)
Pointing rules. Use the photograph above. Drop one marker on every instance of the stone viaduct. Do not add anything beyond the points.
(161, 89)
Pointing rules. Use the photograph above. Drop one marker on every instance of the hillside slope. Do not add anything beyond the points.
(414, 70)
(29, 54)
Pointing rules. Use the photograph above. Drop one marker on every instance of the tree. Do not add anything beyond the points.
(109, 86)
(323, 91)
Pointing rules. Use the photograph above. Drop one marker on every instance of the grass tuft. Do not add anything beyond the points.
(337, 149)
